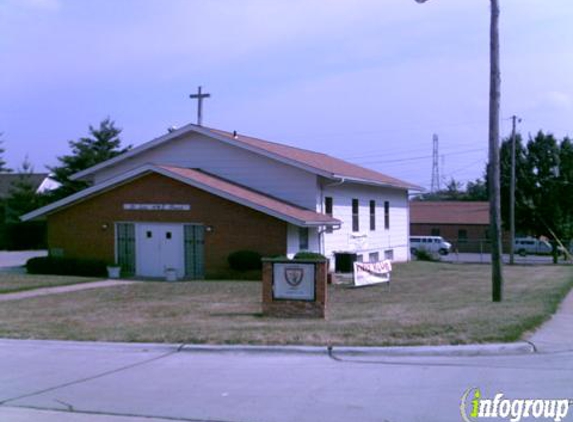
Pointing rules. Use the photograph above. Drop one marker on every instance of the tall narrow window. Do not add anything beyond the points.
(303, 238)
(328, 210)
(372, 215)
(386, 215)
(355, 222)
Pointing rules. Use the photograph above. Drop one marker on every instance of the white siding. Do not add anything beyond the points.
(293, 240)
(233, 163)
(365, 241)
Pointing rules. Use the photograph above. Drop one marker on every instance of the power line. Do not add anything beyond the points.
(421, 157)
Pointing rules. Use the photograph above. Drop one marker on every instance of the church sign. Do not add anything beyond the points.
(156, 207)
(294, 287)
(293, 281)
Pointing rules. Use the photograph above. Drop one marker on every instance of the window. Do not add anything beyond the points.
(328, 210)
(389, 254)
(435, 231)
(462, 235)
(372, 215)
(168, 235)
(373, 257)
(303, 238)
(386, 215)
(355, 222)
(359, 258)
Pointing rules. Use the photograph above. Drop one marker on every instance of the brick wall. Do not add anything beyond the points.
(79, 230)
(295, 308)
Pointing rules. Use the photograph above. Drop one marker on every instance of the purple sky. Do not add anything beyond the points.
(369, 81)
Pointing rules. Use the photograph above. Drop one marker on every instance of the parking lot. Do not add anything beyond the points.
(485, 258)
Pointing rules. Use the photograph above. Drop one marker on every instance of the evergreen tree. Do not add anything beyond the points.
(22, 194)
(103, 144)
(3, 168)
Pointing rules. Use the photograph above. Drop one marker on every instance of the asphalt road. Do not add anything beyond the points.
(53, 381)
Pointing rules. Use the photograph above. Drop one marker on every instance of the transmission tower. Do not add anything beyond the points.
(435, 166)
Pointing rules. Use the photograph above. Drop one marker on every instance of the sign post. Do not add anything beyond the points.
(294, 288)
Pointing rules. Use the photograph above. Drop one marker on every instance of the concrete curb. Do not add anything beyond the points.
(458, 350)
(517, 348)
(95, 345)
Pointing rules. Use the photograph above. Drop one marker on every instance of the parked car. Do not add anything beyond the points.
(430, 244)
(531, 246)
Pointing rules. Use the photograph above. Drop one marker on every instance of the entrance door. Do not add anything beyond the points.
(159, 246)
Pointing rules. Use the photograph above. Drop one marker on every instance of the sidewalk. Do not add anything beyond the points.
(556, 335)
(43, 291)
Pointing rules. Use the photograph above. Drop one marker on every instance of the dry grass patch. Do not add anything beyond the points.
(429, 303)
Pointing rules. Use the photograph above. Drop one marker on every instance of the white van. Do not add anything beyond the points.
(430, 244)
(531, 246)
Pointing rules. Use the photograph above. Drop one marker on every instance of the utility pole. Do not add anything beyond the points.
(435, 167)
(494, 193)
(514, 119)
(493, 172)
(199, 96)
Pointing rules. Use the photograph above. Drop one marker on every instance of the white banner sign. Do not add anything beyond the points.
(157, 207)
(366, 273)
(293, 281)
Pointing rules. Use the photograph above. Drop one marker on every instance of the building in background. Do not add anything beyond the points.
(465, 224)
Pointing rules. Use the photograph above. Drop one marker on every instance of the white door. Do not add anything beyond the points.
(159, 246)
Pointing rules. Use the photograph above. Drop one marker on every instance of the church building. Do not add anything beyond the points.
(191, 197)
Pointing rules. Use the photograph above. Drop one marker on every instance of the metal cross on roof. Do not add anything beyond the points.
(199, 96)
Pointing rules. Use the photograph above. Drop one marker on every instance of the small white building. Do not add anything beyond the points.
(235, 192)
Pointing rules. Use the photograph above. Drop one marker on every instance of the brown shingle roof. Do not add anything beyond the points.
(246, 195)
(318, 161)
(449, 212)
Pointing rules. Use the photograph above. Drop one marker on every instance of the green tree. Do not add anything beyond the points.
(476, 190)
(22, 197)
(102, 144)
(544, 175)
(3, 168)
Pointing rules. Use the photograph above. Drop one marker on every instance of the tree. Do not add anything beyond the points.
(22, 196)
(103, 144)
(544, 175)
(3, 168)
(476, 190)
(454, 191)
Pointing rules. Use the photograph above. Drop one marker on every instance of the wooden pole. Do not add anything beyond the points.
(512, 196)
(494, 188)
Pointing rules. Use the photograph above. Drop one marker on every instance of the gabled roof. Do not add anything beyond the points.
(215, 185)
(449, 212)
(7, 179)
(314, 162)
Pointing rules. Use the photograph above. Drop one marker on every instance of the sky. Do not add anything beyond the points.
(368, 81)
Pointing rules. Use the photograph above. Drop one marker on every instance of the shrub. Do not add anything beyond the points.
(424, 255)
(67, 266)
(245, 260)
(309, 255)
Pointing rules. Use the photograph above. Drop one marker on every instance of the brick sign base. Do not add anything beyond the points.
(286, 308)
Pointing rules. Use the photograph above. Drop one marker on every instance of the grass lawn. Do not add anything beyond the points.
(430, 303)
(10, 283)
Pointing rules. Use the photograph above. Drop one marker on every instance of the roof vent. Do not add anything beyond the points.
(171, 129)
(235, 135)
